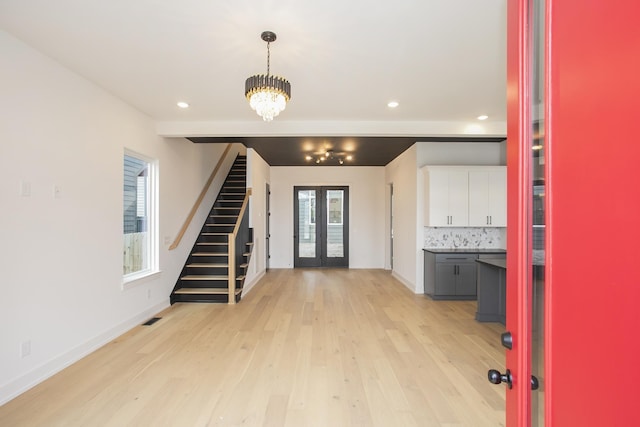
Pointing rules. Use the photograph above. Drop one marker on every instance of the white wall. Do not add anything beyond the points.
(258, 176)
(366, 210)
(460, 153)
(402, 173)
(61, 258)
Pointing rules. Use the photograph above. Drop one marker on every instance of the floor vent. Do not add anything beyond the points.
(151, 321)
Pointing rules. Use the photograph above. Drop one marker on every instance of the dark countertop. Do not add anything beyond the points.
(464, 251)
(494, 262)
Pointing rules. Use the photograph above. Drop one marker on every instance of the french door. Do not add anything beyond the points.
(321, 226)
(574, 207)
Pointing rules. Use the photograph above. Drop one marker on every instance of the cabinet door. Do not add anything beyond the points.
(447, 197)
(466, 279)
(459, 198)
(445, 279)
(479, 198)
(488, 197)
(437, 198)
(498, 197)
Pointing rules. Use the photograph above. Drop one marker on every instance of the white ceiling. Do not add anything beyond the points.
(444, 61)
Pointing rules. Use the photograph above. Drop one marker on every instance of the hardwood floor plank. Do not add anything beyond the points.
(307, 347)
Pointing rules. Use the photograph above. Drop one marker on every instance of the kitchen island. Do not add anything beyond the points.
(492, 290)
(450, 273)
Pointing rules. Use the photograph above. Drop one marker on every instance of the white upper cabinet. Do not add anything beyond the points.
(488, 197)
(447, 196)
(465, 196)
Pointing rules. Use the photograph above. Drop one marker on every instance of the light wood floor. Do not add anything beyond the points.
(303, 348)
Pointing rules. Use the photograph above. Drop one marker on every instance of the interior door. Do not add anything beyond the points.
(588, 203)
(267, 234)
(321, 226)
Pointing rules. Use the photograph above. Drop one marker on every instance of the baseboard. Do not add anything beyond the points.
(248, 286)
(37, 375)
(404, 281)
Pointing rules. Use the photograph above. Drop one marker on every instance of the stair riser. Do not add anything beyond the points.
(215, 229)
(206, 238)
(220, 284)
(225, 211)
(208, 271)
(218, 219)
(208, 259)
(215, 249)
(201, 298)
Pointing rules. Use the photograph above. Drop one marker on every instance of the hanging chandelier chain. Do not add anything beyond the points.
(268, 58)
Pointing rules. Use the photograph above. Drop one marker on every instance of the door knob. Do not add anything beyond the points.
(534, 383)
(506, 339)
(495, 377)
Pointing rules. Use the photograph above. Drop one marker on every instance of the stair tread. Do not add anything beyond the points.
(204, 291)
(221, 254)
(207, 264)
(203, 277)
(213, 243)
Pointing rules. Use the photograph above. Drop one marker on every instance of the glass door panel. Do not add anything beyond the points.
(335, 231)
(537, 241)
(321, 218)
(307, 224)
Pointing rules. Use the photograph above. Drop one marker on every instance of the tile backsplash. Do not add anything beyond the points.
(464, 237)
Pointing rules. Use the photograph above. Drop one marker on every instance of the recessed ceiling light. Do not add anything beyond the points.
(483, 117)
(393, 104)
(183, 104)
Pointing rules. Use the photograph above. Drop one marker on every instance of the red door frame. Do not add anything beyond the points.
(518, 359)
(592, 182)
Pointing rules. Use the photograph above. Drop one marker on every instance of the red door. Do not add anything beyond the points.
(592, 213)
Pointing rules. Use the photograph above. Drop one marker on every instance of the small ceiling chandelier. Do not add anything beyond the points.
(329, 157)
(268, 95)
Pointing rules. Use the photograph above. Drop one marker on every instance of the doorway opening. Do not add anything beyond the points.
(321, 226)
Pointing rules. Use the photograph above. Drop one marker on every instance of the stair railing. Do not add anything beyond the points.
(238, 231)
(203, 193)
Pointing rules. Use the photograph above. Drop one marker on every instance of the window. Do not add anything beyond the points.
(140, 247)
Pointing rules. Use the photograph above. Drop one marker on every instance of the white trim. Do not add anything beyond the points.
(404, 281)
(132, 280)
(47, 369)
(330, 128)
(248, 286)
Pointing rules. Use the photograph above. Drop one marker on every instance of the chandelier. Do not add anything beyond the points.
(329, 157)
(267, 95)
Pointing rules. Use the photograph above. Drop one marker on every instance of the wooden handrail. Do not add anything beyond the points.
(195, 207)
(231, 260)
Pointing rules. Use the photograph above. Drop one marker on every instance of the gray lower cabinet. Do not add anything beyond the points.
(450, 276)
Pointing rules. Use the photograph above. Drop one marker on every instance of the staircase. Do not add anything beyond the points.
(217, 265)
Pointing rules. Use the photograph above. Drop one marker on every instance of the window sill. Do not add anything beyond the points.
(134, 280)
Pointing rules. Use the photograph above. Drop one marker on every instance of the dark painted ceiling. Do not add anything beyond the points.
(366, 151)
